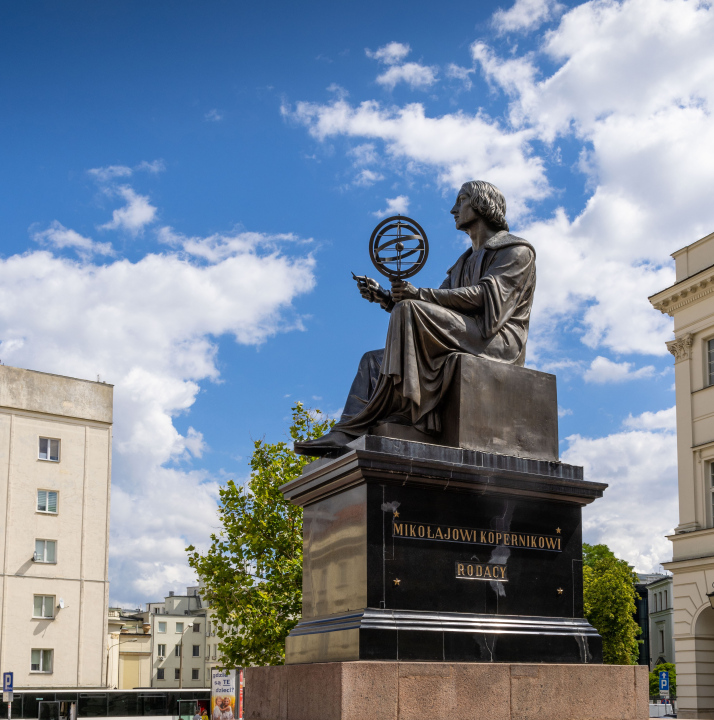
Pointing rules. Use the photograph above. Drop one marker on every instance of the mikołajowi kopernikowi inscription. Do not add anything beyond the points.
(477, 536)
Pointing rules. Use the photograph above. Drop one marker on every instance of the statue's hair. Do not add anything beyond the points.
(488, 201)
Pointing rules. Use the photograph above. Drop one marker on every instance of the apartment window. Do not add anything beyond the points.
(162, 627)
(197, 627)
(661, 641)
(710, 362)
(197, 651)
(194, 674)
(162, 650)
(177, 673)
(41, 660)
(177, 651)
(45, 551)
(47, 501)
(160, 674)
(208, 628)
(49, 449)
(44, 606)
(179, 627)
(666, 605)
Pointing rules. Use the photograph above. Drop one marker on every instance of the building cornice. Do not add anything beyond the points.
(685, 292)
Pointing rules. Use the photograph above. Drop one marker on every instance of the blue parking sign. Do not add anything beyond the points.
(664, 681)
(7, 682)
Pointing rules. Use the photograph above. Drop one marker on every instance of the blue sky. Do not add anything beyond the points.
(186, 187)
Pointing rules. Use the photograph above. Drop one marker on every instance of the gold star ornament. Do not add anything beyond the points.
(397, 581)
(557, 530)
(396, 514)
(560, 591)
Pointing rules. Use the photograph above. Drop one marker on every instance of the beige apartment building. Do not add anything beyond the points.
(55, 474)
(690, 301)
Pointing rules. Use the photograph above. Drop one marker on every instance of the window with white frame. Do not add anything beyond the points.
(160, 674)
(177, 651)
(194, 673)
(43, 606)
(179, 627)
(41, 660)
(162, 650)
(710, 362)
(196, 651)
(162, 627)
(197, 627)
(47, 501)
(45, 551)
(177, 673)
(49, 449)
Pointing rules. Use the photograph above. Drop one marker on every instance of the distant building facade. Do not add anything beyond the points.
(171, 644)
(661, 621)
(55, 475)
(690, 301)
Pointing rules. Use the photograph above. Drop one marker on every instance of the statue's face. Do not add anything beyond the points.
(463, 213)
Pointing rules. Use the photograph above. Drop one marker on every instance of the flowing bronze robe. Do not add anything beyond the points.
(482, 309)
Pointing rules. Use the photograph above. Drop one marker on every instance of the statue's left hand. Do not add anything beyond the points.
(402, 290)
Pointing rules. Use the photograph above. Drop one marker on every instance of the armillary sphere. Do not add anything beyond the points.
(398, 247)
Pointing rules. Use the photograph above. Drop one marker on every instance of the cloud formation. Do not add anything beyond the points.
(150, 327)
(57, 235)
(395, 206)
(602, 371)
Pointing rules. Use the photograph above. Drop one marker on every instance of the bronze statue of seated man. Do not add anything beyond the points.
(482, 309)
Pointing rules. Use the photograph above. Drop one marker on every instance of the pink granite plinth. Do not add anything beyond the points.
(446, 691)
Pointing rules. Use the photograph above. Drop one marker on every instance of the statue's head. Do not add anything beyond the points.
(488, 201)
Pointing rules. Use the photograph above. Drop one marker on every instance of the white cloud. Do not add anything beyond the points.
(602, 370)
(640, 505)
(367, 177)
(395, 206)
(390, 54)
(150, 328)
(525, 15)
(413, 74)
(364, 154)
(660, 420)
(61, 237)
(460, 73)
(563, 412)
(154, 167)
(458, 146)
(135, 215)
(111, 172)
(213, 116)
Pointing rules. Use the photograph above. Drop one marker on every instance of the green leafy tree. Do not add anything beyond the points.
(609, 597)
(252, 572)
(671, 668)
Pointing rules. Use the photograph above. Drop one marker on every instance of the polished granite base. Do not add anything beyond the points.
(419, 552)
(446, 691)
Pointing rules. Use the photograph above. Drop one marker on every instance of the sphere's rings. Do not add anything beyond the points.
(386, 235)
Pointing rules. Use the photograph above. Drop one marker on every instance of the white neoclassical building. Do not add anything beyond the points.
(55, 474)
(690, 301)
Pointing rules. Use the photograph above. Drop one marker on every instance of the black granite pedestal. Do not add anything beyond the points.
(421, 552)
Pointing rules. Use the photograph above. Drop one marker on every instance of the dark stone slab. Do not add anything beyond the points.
(496, 408)
(427, 553)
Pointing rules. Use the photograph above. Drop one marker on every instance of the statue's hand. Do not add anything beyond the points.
(402, 290)
(371, 290)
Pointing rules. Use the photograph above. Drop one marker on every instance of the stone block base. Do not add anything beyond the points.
(446, 691)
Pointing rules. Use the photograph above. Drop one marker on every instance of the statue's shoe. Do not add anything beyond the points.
(329, 444)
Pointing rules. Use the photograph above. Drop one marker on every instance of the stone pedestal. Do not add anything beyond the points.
(446, 691)
(427, 553)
